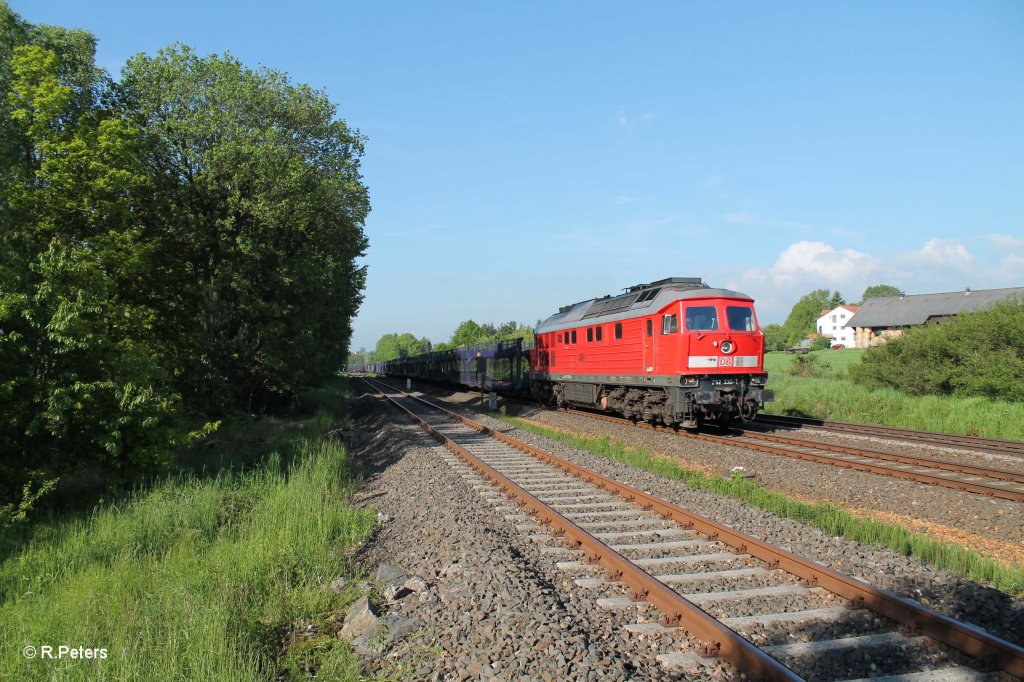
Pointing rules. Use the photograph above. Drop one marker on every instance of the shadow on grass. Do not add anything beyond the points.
(242, 443)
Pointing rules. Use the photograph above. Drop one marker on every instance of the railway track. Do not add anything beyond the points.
(993, 445)
(990, 481)
(800, 619)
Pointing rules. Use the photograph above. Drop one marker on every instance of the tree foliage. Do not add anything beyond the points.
(394, 346)
(806, 311)
(975, 354)
(881, 291)
(775, 337)
(176, 246)
(470, 333)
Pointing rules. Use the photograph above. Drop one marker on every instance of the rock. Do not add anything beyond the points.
(360, 617)
(415, 584)
(338, 584)
(382, 518)
(389, 574)
(383, 632)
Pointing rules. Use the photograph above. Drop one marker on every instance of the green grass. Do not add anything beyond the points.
(826, 516)
(200, 576)
(832, 396)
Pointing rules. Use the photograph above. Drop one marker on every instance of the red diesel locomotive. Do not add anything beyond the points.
(673, 352)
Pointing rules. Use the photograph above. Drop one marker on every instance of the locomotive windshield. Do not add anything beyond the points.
(701, 318)
(741, 318)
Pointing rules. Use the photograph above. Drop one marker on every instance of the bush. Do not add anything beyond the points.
(821, 343)
(809, 366)
(977, 354)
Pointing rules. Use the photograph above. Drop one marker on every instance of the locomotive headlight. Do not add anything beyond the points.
(727, 347)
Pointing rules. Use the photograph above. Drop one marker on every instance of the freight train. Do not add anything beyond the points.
(674, 352)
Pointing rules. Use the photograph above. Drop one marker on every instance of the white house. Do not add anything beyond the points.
(832, 324)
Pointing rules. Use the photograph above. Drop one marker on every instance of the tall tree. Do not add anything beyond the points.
(80, 385)
(262, 207)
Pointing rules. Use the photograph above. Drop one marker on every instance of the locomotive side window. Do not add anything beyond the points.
(574, 336)
(590, 334)
(618, 330)
(741, 318)
(599, 333)
(650, 327)
(701, 318)
(669, 324)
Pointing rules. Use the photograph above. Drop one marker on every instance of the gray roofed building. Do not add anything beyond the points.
(881, 317)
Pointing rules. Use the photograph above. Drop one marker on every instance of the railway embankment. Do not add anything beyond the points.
(496, 604)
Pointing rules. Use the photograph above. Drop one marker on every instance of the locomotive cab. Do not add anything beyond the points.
(722, 352)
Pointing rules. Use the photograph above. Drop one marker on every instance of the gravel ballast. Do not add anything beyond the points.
(495, 604)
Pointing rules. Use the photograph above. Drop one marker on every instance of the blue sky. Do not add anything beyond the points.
(525, 155)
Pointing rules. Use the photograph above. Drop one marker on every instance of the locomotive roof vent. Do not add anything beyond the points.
(687, 282)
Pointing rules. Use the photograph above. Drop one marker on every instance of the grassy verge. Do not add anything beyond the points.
(205, 575)
(833, 396)
(828, 517)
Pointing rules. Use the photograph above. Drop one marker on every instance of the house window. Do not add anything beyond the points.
(599, 333)
(669, 324)
(833, 318)
(618, 330)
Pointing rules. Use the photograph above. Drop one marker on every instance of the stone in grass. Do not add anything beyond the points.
(383, 632)
(359, 618)
(338, 584)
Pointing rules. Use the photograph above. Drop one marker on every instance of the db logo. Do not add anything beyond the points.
(725, 361)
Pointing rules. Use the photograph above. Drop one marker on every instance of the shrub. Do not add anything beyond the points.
(809, 366)
(977, 354)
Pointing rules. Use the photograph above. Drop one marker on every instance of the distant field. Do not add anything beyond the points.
(832, 396)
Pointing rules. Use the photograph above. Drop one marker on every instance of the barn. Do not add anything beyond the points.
(879, 319)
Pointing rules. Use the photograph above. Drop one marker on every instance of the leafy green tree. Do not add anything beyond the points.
(80, 386)
(805, 313)
(880, 291)
(774, 337)
(394, 346)
(257, 219)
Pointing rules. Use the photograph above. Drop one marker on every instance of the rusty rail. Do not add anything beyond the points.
(823, 458)
(719, 640)
(961, 636)
(1013, 447)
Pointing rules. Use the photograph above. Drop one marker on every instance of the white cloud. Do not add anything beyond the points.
(1012, 266)
(938, 253)
(1006, 242)
(822, 261)
(938, 265)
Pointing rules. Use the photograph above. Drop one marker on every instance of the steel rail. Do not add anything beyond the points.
(821, 458)
(914, 435)
(718, 639)
(931, 462)
(961, 636)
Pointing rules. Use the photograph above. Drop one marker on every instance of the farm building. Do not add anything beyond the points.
(832, 323)
(882, 318)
